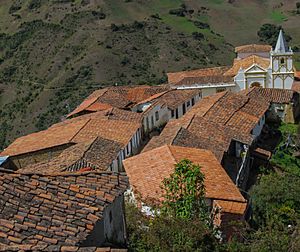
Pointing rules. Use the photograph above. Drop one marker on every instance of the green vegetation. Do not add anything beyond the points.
(275, 225)
(179, 225)
(45, 45)
(278, 16)
(268, 33)
(284, 154)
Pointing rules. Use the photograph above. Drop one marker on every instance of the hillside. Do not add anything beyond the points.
(54, 53)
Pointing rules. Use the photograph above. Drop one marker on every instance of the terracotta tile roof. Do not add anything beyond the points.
(200, 76)
(231, 207)
(204, 104)
(56, 136)
(273, 95)
(146, 172)
(119, 114)
(88, 101)
(115, 130)
(239, 112)
(214, 122)
(246, 63)
(118, 97)
(174, 98)
(140, 93)
(114, 98)
(97, 154)
(297, 75)
(49, 212)
(186, 138)
(296, 86)
(253, 48)
(167, 136)
(79, 130)
(98, 107)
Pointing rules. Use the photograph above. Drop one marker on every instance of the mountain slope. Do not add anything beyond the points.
(54, 53)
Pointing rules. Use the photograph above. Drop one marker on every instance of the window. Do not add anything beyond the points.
(219, 90)
(177, 113)
(152, 121)
(183, 108)
(172, 113)
(188, 104)
(282, 61)
(156, 116)
(193, 101)
(200, 95)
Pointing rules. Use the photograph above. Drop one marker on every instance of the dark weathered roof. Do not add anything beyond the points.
(49, 212)
(118, 97)
(97, 154)
(199, 76)
(273, 95)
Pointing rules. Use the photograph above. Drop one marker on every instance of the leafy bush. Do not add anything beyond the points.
(34, 4)
(268, 33)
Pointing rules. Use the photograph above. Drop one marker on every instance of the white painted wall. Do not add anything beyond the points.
(129, 150)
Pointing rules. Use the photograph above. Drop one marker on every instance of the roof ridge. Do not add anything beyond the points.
(235, 111)
(170, 152)
(89, 119)
(225, 92)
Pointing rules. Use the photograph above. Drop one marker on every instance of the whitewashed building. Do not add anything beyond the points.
(254, 66)
(163, 107)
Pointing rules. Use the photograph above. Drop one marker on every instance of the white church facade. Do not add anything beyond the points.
(254, 65)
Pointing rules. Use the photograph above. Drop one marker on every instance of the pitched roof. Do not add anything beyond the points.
(237, 111)
(146, 172)
(88, 101)
(77, 130)
(273, 95)
(253, 48)
(52, 137)
(97, 154)
(214, 122)
(246, 63)
(118, 97)
(115, 130)
(199, 76)
(174, 98)
(48, 212)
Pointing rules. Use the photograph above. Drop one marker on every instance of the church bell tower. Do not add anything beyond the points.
(282, 64)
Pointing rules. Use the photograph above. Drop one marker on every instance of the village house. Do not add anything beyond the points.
(106, 139)
(147, 170)
(158, 109)
(62, 212)
(123, 97)
(228, 124)
(254, 66)
(155, 104)
(284, 103)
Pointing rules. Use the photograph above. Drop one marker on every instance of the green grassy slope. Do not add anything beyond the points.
(54, 53)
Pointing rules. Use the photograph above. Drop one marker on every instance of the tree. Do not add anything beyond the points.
(179, 225)
(268, 33)
(185, 191)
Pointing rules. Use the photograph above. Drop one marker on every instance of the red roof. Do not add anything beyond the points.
(146, 172)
